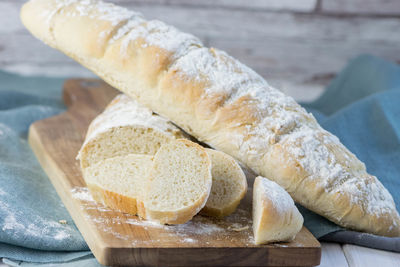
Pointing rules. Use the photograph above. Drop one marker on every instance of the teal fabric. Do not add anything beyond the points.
(30, 208)
(361, 106)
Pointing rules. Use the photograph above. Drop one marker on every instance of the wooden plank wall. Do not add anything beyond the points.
(297, 46)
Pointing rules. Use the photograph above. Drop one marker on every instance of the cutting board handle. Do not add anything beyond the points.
(85, 93)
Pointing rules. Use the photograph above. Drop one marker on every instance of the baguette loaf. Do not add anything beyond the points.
(275, 217)
(126, 127)
(221, 102)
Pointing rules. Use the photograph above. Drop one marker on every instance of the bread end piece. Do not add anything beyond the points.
(229, 185)
(113, 200)
(275, 217)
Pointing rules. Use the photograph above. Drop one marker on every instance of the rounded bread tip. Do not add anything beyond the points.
(275, 216)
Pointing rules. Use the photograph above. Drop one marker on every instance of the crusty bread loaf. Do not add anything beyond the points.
(221, 102)
(275, 217)
(126, 127)
(179, 183)
(119, 182)
(229, 185)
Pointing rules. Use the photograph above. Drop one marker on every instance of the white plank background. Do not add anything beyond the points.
(298, 46)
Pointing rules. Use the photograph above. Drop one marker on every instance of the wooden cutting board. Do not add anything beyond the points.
(116, 238)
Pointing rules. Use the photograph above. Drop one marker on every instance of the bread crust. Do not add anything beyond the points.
(221, 102)
(113, 200)
(275, 217)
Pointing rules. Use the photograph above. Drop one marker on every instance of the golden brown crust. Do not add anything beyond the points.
(220, 213)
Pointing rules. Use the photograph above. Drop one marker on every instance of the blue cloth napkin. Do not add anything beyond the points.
(30, 209)
(361, 106)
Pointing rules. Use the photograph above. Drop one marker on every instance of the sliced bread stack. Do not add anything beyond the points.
(170, 188)
(118, 150)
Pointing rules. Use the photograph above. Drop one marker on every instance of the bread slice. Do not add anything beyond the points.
(275, 217)
(119, 182)
(125, 127)
(229, 185)
(179, 183)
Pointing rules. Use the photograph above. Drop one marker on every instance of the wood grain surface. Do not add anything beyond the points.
(120, 239)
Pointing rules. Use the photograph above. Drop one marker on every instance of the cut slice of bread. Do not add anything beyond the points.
(125, 127)
(229, 185)
(179, 183)
(119, 182)
(275, 217)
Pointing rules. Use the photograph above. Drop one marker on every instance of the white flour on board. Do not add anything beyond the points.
(15, 225)
(199, 226)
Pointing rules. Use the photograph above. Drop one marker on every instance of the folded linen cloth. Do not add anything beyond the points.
(361, 106)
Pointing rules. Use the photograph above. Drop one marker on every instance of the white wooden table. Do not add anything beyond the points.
(356, 256)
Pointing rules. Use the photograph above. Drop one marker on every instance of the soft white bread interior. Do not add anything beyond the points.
(275, 217)
(179, 183)
(125, 127)
(119, 182)
(229, 185)
(221, 102)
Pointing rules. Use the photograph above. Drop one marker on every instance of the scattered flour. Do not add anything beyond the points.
(82, 193)
(199, 228)
(277, 195)
(189, 240)
(157, 33)
(14, 224)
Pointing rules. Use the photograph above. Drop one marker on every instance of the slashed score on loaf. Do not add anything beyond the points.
(220, 102)
(126, 127)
